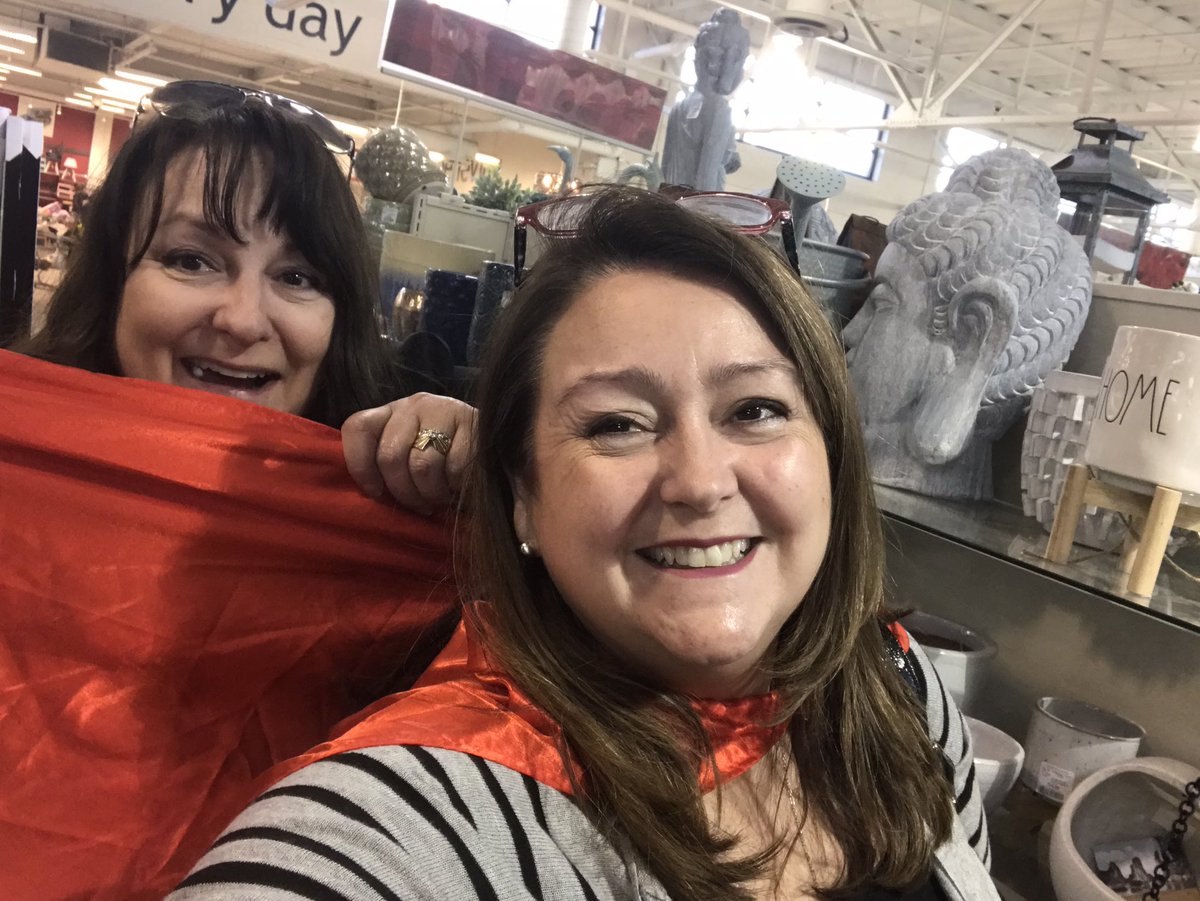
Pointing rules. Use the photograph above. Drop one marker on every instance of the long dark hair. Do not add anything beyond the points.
(865, 763)
(305, 196)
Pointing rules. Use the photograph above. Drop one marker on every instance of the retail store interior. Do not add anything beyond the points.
(1052, 644)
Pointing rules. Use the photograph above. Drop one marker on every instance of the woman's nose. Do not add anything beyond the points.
(241, 310)
(697, 469)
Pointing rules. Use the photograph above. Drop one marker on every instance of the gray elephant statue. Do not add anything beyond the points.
(978, 295)
(701, 146)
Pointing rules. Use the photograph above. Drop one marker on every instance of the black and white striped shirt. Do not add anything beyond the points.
(425, 824)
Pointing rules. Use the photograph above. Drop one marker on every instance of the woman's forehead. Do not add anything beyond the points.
(184, 184)
(656, 321)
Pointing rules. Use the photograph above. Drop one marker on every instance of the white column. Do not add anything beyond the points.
(575, 26)
(101, 137)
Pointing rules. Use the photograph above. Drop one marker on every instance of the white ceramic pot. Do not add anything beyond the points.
(1069, 740)
(1056, 432)
(998, 758)
(1147, 422)
(1123, 802)
(957, 653)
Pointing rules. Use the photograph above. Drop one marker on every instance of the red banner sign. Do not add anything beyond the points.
(460, 51)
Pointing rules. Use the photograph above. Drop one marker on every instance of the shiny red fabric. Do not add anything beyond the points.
(464, 704)
(191, 591)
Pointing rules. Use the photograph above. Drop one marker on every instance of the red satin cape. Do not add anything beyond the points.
(464, 704)
(191, 591)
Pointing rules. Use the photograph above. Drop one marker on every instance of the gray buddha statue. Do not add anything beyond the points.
(978, 295)
(700, 143)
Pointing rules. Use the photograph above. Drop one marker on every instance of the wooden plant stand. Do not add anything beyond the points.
(1151, 517)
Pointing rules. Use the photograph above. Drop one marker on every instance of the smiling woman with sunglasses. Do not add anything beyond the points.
(224, 252)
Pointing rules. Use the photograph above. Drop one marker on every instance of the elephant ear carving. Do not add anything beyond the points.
(981, 318)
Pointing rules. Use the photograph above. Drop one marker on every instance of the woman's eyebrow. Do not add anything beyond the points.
(641, 380)
(638, 379)
(189, 220)
(730, 371)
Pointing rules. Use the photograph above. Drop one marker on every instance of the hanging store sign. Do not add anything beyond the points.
(447, 49)
(344, 34)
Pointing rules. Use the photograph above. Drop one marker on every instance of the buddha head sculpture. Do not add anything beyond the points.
(978, 295)
(722, 45)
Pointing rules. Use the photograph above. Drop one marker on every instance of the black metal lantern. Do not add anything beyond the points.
(1103, 180)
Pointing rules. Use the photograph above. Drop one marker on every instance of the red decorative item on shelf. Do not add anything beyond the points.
(1162, 267)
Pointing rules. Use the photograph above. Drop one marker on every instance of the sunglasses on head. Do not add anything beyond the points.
(185, 99)
(560, 217)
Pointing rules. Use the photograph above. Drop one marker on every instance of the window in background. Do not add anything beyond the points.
(596, 29)
(779, 80)
(1174, 223)
(961, 144)
(528, 18)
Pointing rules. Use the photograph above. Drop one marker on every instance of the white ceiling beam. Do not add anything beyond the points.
(931, 73)
(988, 23)
(873, 39)
(1174, 157)
(1136, 118)
(1013, 24)
(1089, 81)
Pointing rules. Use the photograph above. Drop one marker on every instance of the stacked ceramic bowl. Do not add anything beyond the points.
(837, 277)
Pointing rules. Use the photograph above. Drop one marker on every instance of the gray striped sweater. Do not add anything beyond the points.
(426, 824)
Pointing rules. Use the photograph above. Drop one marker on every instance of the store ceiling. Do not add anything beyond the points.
(1043, 71)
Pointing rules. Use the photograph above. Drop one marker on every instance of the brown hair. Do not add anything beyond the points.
(305, 196)
(865, 763)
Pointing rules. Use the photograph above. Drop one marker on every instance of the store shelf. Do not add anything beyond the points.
(1003, 531)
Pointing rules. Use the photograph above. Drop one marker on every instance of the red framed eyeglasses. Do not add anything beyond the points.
(560, 217)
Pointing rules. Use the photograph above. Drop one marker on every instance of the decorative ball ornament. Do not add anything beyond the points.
(394, 163)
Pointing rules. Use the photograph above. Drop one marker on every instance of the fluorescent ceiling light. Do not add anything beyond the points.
(84, 95)
(9, 48)
(1196, 146)
(436, 156)
(126, 90)
(486, 159)
(17, 36)
(139, 77)
(106, 97)
(114, 96)
(9, 67)
(115, 109)
(78, 102)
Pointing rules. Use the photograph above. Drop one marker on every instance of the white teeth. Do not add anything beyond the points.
(700, 557)
(199, 370)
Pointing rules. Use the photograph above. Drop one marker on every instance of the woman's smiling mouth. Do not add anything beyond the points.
(220, 376)
(691, 556)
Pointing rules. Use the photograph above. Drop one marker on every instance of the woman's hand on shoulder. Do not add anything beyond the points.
(379, 448)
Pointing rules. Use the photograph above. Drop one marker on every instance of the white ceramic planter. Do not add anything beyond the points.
(1056, 432)
(1069, 740)
(1126, 801)
(1146, 428)
(962, 668)
(998, 758)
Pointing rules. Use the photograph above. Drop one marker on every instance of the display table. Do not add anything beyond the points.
(1020, 833)
(1060, 631)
